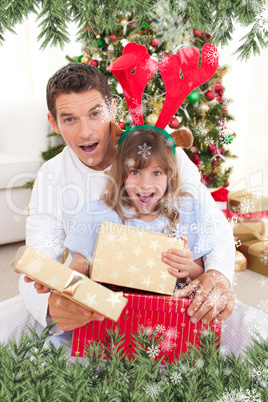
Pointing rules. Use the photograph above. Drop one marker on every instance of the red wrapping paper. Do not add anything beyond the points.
(147, 311)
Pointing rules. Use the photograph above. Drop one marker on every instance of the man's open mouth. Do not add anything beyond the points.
(89, 148)
(145, 198)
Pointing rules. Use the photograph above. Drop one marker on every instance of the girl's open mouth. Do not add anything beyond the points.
(145, 198)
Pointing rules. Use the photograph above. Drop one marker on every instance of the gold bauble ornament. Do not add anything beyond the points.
(124, 21)
(85, 59)
(152, 119)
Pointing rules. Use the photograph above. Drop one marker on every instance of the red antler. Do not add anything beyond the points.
(134, 57)
(177, 88)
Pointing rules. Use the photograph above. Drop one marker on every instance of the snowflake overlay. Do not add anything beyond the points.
(264, 257)
(144, 150)
(175, 377)
(152, 390)
(50, 244)
(130, 162)
(170, 27)
(212, 55)
(241, 396)
(153, 351)
(172, 203)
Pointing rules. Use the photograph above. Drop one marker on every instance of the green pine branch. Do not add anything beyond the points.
(216, 16)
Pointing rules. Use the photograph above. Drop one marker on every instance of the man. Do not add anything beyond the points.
(81, 110)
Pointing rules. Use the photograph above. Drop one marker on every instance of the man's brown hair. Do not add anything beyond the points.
(77, 78)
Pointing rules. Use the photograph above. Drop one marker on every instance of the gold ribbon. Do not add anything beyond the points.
(73, 282)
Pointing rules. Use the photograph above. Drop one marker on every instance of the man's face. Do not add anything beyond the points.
(83, 120)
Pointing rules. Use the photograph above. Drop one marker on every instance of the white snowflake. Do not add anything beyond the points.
(237, 242)
(153, 351)
(172, 203)
(58, 301)
(152, 390)
(167, 344)
(262, 18)
(212, 55)
(263, 306)
(260, 374)
(144, 150)
(151, 67)
(169, 26)
(35, 266)
(227, 371)
(50, 244)
(171, 333)
(209, 141)
(175, 377)
(160, 328)
(199, 363)
(130, 162)
(124, 377)
(240, 396)
(221, 127)
(246, 205)
(263, 257)
(200, 129)
(137, 111)
(147, 330)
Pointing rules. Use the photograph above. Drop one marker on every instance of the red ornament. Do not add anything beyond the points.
(174, 123)
(226, 184)
(221, 151)
(219, 98)
(207, 36)
(93, 63)
(113, 37)
(225, 110)
(196, 160)
(212, 148)
(218, 88)
(210, 95)
(154, 42)
(197, 33)
(121, 125)
(206, 179)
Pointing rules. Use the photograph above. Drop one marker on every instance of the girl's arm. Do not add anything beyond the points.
(80, 264)
(182, 263)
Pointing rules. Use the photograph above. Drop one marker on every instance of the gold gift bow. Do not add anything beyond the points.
(73, 282)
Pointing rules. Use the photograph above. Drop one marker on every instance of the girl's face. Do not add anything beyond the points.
(145, 187)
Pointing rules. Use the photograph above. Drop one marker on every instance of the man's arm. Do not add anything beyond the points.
(213, 299)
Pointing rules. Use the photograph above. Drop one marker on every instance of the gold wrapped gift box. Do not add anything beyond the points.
(253, 234)
(244, 202)
(131, 257)
(256, 253)
(68, 283)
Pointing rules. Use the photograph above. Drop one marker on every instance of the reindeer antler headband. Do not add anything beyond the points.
(135, 57)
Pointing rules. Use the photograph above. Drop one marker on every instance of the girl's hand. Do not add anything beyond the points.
(179, 260)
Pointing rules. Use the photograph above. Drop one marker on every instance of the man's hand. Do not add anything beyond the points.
(71, 314)
(213, 299)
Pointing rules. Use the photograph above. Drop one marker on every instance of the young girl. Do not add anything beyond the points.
(143, 191)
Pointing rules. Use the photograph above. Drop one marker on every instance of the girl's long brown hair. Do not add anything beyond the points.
(130, 153)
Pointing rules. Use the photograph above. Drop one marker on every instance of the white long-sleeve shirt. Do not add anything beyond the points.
(62, 187)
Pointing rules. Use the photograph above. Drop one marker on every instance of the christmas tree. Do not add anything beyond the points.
(204, 111)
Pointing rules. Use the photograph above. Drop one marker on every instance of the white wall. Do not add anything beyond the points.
(247, 84)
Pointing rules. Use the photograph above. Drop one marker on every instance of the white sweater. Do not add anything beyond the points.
(62, 187)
